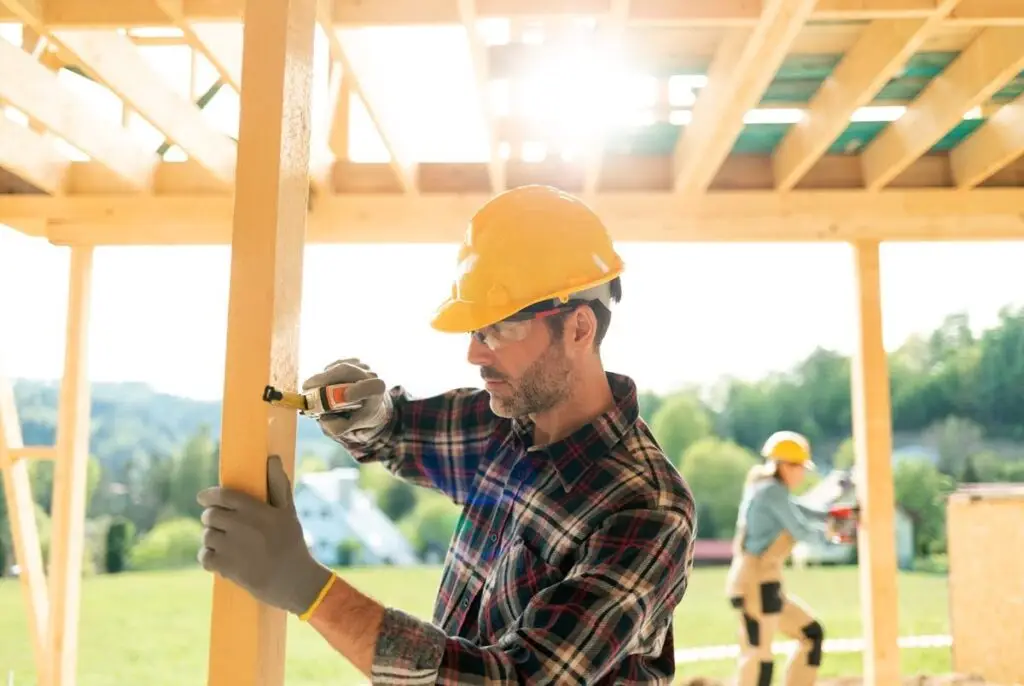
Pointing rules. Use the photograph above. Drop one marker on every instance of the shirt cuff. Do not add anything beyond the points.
(409, 651)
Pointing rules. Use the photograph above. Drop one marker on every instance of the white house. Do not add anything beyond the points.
(820, 497)
(333, 509)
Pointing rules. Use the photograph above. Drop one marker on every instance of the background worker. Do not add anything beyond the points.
(769, 523)
(576, 538)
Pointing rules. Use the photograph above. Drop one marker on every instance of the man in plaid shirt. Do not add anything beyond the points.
(576, 537)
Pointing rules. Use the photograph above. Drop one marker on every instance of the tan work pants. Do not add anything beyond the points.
(755, 592)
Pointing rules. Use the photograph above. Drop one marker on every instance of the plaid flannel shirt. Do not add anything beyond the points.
(568, 560)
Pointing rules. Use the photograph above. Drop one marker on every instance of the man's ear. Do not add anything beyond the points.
(584, 327)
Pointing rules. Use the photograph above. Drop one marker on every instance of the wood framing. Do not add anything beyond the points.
(879, 53)
(116, 61)
(854, 121)
(691, 13)
(21, 516)
(995, 56)
(744, 64)
(247, 646)
(35, 90)
(872, 439)
(994, 146)
(70, 476)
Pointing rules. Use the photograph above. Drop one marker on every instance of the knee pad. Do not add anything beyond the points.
(815, 633)
(771, 598)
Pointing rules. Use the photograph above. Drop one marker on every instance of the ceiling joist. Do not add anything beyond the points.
(741, 71)
(995, 56)
(31, 156)
(404, 167)
(996, 144)
(116, 62)
(882, 50)
(35, 90)
(353, 13)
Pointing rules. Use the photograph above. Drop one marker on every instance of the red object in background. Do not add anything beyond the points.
(843, 511)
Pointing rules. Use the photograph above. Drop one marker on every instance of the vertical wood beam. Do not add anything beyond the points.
(21, 517)
(872, 434)
(70, 475)
(247, 643)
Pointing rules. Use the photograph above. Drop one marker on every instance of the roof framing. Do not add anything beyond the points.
(722, 163)
(697, 13)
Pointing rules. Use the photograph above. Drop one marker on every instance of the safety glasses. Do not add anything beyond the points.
(517, 327)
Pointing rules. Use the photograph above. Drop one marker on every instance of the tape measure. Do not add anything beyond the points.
(315, 402)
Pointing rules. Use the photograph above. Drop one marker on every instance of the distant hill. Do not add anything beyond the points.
(133, 418)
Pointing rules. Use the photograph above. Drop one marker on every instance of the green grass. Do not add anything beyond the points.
(153, 628)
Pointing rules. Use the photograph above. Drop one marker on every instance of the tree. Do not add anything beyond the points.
(845, 456)
(716, 471)
(397, 499)
(956, 439)
(680, 421)
(194, 468)
(969, 474)
(171, 544)
(921, 490)
(41, 477)
(119, 539)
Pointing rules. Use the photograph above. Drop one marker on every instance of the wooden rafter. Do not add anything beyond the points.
(404, 167)
(479, 57)
(995, 56)
(24, 530)
(35, 90)
(996, 144)
(744, 65)
(698, 13)
(878, 55)
(611, 32)
(31, 156)
(115, 61)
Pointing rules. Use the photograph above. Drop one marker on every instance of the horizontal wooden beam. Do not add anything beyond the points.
(696, 13)
(35, 452)
(724, 216)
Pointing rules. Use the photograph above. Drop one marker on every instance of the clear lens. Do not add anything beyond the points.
(503, 333)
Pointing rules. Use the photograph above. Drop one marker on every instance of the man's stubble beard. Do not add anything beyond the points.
(543, 385)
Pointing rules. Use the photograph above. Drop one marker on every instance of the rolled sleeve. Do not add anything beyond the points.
(631, 574)
(409, 651)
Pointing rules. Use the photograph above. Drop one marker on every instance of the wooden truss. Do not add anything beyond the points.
(720, 162)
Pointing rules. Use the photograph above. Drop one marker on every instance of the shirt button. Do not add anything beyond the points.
(464, 603)
(494, 538)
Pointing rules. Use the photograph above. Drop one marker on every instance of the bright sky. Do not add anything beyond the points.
(690, 313)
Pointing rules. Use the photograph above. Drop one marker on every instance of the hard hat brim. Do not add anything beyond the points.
(459, 316)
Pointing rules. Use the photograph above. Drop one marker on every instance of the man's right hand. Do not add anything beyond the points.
(365, 387)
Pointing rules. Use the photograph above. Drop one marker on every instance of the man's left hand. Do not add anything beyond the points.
(260, 545)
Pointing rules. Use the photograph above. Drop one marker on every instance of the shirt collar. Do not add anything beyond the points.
(574, 454)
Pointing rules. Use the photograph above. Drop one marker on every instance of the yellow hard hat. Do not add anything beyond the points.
(526, 246)
(788, 446)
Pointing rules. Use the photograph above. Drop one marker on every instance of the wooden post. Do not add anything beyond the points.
(22, 518)
(70, 475)
(872, 432)
(247, 643)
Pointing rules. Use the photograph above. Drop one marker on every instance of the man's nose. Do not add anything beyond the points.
(478, 354)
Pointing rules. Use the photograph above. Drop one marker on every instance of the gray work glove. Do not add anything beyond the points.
(365, 386)
(260, 545)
